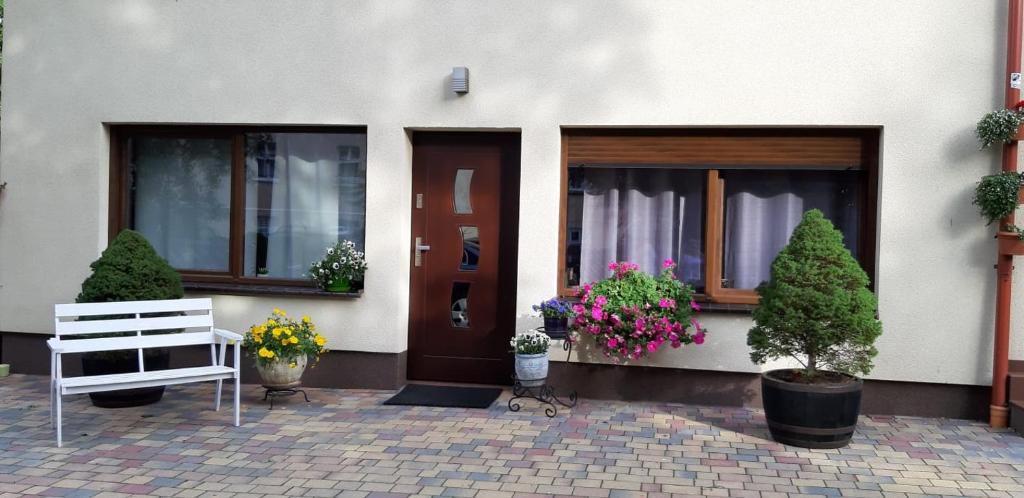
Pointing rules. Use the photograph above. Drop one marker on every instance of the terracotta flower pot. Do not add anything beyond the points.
(280, 374)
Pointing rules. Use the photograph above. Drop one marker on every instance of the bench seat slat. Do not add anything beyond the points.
(111, 382)
(86, 327)
(132, 307)
(132, 342)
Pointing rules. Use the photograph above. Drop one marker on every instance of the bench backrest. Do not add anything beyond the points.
(192, 316)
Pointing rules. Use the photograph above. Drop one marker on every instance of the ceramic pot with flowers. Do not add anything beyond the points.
(282, 347)
(531, 350)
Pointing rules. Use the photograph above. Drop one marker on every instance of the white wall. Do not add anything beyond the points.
(925, 70)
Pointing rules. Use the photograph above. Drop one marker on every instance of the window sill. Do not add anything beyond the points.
(268, 290)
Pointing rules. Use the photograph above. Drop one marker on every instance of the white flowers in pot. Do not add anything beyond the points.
(341, 265)
(531, 349)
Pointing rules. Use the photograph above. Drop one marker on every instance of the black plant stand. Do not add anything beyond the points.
(282, 392)
(543, 393)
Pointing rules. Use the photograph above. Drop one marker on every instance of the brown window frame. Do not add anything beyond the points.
(715, 149)
(232, 280)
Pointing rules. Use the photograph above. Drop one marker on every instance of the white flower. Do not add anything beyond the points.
(335, 266)
(321, 271)
(330, 250)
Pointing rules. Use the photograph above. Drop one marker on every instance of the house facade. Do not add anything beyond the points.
(242, 138)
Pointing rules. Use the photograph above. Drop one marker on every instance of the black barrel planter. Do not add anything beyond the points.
(811, 415)
(100, 364)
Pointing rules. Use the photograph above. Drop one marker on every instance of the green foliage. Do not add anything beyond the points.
(998, 127)
(130, 270)
(816, 305)
(996, 195)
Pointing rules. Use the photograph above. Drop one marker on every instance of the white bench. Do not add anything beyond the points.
(193, 316)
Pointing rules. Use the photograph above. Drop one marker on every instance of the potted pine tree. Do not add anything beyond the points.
(128, 270)
(816, 307)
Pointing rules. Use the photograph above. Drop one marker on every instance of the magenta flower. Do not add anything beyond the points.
(613, 266)
(601, 301)
(612, 343)
(698, 338)
(596, 313)
(652, 347)
(694, 305)
(668, 263)
(577, 309)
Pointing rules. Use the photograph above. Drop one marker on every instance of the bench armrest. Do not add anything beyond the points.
(227, 334)
(55, 345)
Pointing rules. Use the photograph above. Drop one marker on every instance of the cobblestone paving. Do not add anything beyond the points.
(344, 443)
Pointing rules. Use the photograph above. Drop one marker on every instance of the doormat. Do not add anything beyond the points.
(446, 396)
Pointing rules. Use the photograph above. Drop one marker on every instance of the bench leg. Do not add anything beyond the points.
(60, 441)
(238, 396)
(216, 402)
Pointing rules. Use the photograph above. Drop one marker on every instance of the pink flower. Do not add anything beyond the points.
(640, 324)
(601, 301)
(596, 313)
(652, 347)
(696, 324)
(615, 319)
(667, 303)
(612, 343)
(668, 263)
(577, 309)
(694, 305)
(613, 266)
(698, 338)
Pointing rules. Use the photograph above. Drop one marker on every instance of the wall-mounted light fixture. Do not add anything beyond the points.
(460, 80)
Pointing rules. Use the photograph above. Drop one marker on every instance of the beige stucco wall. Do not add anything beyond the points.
(924, 70)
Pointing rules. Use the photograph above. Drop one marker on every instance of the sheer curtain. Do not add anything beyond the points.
(643, 215)
(181, 198)
(304, 192)
(763, 207)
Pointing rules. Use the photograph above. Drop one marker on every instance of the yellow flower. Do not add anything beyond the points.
(295, 340)
(276, 332)
(319, 339)
(292, 365)
(288, 330)
(280, 313)
(305, 319)
(284, 342)
(266, 353)
(257, 338)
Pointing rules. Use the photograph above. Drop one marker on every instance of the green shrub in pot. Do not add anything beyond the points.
(129, 269)
(817, 308)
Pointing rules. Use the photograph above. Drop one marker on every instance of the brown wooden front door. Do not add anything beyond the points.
(464, 243)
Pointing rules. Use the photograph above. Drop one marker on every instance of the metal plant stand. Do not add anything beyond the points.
(282, 392)
(543, 393)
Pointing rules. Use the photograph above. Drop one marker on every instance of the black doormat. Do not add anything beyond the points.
(447, 396)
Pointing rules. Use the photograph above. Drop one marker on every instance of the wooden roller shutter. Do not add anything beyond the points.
(824, 148)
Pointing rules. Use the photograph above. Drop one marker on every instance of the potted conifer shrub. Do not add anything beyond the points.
(128, 270)
(816, 307)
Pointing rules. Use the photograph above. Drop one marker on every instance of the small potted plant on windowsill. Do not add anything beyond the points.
(531, 349)
(556, 315)
(341, 266)
(632, 314)
(281, 348)
(816, 307)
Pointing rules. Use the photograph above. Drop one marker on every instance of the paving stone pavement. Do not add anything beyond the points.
(345, 443)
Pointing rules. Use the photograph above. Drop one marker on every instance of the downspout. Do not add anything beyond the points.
(998, 410)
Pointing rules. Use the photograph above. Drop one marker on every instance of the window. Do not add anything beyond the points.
(238, 205)
(721, 203)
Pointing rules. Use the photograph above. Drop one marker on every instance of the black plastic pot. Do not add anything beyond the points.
(125, 362)
(811, 415)
(556, 328)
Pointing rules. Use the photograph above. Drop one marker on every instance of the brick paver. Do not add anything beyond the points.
(345, 443)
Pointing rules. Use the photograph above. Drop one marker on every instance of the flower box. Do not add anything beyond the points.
(1010, 243)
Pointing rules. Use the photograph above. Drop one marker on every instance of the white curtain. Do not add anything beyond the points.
(763, 207)
(642, 215)
(313, 196)
(181, 199)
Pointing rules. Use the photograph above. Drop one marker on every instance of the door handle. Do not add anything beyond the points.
(420, 249)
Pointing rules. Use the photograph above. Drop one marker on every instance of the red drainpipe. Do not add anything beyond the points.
(998, 410)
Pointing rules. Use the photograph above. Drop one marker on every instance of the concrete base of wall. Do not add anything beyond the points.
(28, 354)
(706, 387)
